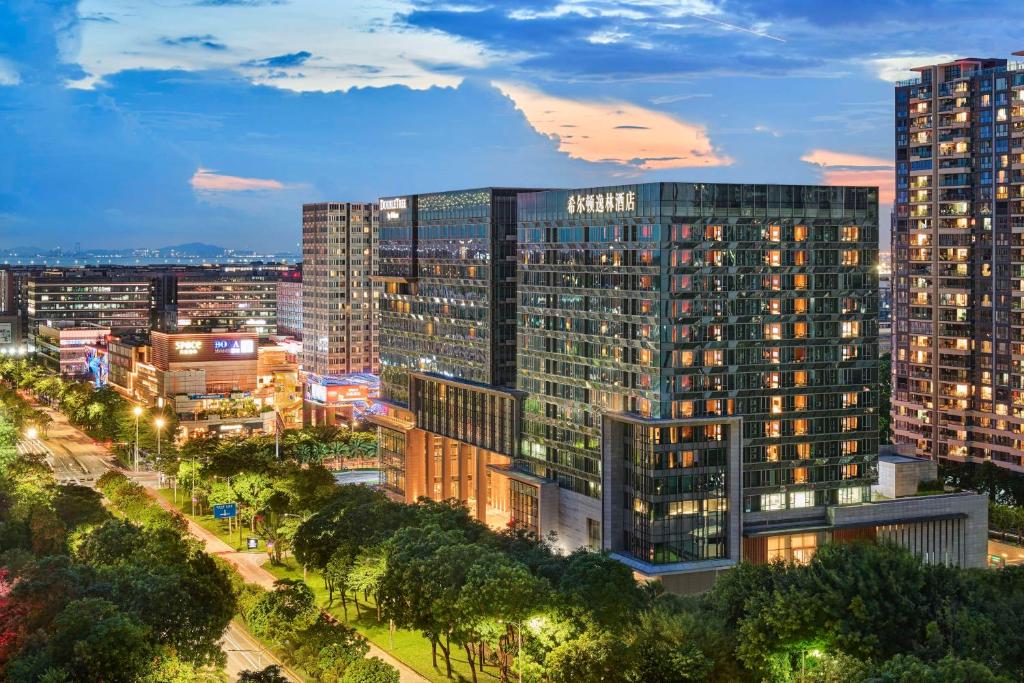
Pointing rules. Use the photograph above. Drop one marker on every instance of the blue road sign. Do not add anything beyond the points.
(225, 511)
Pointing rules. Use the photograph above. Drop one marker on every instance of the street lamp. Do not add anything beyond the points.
(31, 433)
(159, 424)
(137, 410)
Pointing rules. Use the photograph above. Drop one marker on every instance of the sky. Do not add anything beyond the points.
(145, 123)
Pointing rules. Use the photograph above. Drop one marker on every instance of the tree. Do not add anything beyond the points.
(254, 491)
(284, 613)
(94, 641)
(498, 596)
(426, 569)
(589, 658)
(79, 506)
(597, 588)
(909, 669)
(371, 670)
(270, 674)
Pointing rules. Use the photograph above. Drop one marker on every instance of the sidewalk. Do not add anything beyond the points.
(250, 567)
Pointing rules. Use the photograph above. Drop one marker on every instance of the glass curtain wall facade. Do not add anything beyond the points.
(676, 301)
(958, 262)
(447, 262)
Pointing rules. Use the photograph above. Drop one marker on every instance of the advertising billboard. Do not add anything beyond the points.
(234, 347)
(6, 333)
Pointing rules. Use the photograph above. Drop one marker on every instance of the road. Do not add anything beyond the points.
(1011, 554)
(75, 457)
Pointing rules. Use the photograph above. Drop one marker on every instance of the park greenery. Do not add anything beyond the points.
(510, 604)
(87, 595)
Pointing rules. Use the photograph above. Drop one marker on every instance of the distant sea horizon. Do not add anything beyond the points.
(85, 260)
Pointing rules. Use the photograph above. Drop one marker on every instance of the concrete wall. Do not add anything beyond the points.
(573, 511)
(949, 528)
(899, 476)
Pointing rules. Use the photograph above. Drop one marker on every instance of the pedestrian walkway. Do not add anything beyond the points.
(250, 567)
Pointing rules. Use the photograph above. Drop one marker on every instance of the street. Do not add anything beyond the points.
(75, 458)
(1011, 554)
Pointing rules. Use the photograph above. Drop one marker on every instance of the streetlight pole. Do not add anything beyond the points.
(159, 424)
(138, 412)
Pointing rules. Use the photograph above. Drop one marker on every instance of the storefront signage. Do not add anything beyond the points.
(188, 347)
(397, 203)
(602, 202)
(234, 346)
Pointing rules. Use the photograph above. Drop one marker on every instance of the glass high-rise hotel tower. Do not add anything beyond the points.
(682, 374)
(958, 262)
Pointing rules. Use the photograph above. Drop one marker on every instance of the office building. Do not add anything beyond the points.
(289, 304)
(339, 298)
(79, 299)
(448, 270)
(958, 262)
(7, 292)
(243, 302)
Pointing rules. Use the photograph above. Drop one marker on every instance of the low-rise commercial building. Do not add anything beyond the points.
(73, 352)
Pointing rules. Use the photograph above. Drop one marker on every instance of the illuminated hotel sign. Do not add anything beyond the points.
(397, 203)
(392, 215)
(188, 347)
(234, 346)
(602, 202)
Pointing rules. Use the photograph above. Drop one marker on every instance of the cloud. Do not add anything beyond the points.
(669, 99)
(607, 37)
(616, 132)
(8, 73)
(207, 41)
(287, 61)
(829, 159)
(206, 180)
(237, 3)
(899, 68)
(761, 128)
(842, 168)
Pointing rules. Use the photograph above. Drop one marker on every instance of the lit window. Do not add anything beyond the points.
(800, 233)
(773, 501)
(850, 328)
(800, 282)
(803, 451)
(713, 357)
(771, 453)
(800, 427)
(799, 477)
(776, 405)
(801, 499)
(851, 495)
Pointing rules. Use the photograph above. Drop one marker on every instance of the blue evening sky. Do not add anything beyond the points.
(154, 122)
